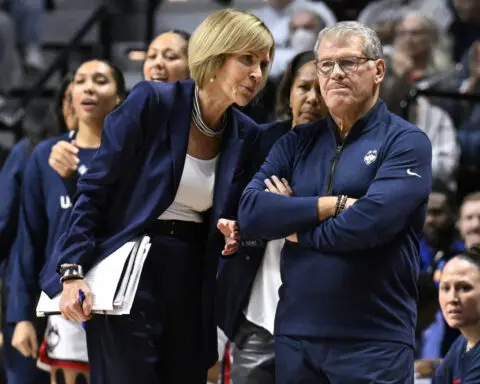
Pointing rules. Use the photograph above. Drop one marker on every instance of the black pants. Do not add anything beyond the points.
(253, 356)
(160, 342)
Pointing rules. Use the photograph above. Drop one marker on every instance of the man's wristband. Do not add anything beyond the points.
(341, 203)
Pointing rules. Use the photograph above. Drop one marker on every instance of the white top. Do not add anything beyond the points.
(195, 192)
(264, 298)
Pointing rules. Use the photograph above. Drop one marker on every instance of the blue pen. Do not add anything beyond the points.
(82, 299)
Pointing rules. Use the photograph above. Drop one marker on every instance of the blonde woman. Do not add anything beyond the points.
(171, 163)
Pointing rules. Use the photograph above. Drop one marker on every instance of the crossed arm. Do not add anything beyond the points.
(401, 185)
(314, 209)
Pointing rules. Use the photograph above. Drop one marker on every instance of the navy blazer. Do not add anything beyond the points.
(236, 277)
(134, 178)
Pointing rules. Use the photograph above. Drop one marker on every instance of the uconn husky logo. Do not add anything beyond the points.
(82, 169)
(370, 157)
(65, 202)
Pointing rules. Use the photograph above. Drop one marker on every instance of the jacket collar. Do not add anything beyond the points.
(377, 114)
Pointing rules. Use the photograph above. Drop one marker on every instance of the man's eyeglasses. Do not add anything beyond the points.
(347, 64)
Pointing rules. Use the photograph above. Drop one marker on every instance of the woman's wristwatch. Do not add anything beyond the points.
(70, 272)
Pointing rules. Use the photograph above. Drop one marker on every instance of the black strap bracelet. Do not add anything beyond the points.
(70, 277)
(343, 203)
(70, 270)
(337, 205)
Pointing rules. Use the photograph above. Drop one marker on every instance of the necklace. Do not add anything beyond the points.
(198, 120)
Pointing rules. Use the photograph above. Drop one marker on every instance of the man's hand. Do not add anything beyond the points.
(63, 158)
(24, 339)
(280, 187)
(231, 231)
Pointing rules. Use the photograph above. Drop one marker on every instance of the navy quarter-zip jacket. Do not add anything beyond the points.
(353, 276)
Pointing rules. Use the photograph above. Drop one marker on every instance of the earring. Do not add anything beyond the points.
(212, 79)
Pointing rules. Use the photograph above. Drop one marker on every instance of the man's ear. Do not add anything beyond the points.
(380, 69)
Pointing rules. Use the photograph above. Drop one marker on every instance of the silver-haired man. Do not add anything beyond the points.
(347, 309)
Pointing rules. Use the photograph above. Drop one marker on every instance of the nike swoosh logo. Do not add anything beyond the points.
(411, 173)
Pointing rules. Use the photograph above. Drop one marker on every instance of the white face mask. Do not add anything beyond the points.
(303, 40)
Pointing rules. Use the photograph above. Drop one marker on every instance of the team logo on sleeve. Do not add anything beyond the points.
(370, 157)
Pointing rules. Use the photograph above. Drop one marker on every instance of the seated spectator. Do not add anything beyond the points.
(459, 298)
(465, 27)
(468, 223)
(303, 31)
(440, 240)
(420, 57)
(277, 16)
(304, 28)
(416, 52)
(438, 126)
(383, 15)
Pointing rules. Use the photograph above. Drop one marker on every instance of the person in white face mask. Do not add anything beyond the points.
(278, 16)
(304, 28)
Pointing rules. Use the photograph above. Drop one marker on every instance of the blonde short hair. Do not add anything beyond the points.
(226, 32)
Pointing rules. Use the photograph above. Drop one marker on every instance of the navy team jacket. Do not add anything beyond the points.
(135, 175)
(11, 178)
(459, 366)
(45, 199)
(353, 276)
